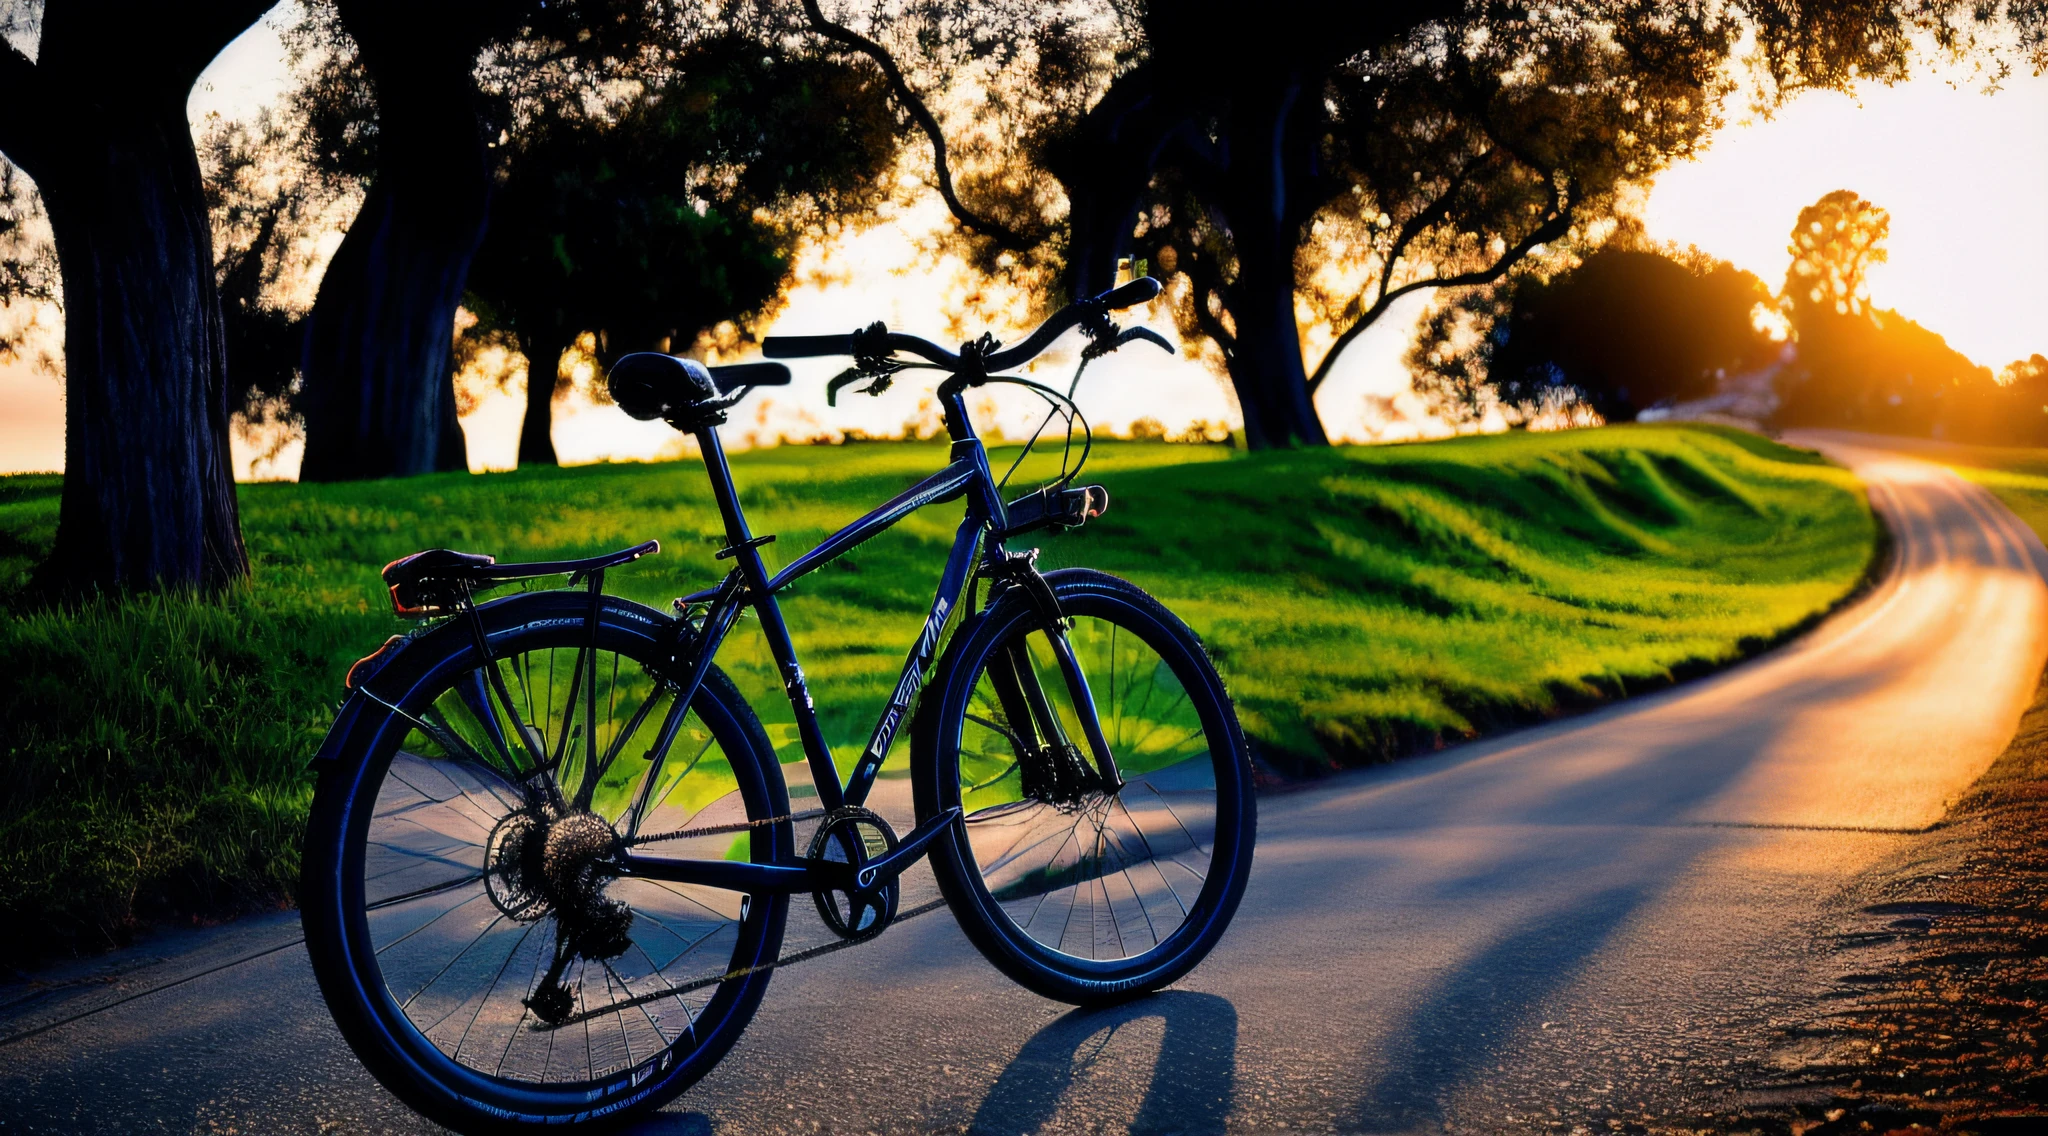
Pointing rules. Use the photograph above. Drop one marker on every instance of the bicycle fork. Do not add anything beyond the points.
(1049, 762)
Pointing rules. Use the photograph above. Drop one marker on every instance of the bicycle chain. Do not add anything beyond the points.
(722, 829)
(738, 972)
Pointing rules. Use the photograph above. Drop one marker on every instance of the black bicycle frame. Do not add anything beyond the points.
(749, 584)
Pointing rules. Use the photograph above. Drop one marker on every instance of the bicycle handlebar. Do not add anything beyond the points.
(806, 346)
(810, 346)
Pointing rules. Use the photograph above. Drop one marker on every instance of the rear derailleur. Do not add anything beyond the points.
(539, 862)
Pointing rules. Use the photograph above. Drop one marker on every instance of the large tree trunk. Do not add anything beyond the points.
(149, 495)
(1266, 371)
(98, 119)
(543, 374)
(379, 341)
(1265, 360)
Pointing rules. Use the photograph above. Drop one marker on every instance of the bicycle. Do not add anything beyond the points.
(551, 852)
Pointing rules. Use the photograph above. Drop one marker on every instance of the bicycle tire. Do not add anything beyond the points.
(987, 898)
(338, 908)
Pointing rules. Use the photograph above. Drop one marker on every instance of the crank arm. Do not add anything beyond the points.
(883, 869)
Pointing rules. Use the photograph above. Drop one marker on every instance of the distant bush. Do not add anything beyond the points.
(1629, 329)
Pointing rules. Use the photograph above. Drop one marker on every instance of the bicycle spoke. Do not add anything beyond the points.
(492, 989)
(421, 893)
(631, 730)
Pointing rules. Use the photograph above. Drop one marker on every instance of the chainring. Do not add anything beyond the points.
(854, 835)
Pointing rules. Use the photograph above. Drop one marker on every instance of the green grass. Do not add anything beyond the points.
(1362, 603)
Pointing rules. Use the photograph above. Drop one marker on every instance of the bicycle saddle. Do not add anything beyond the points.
(649, 385)
(435, 564)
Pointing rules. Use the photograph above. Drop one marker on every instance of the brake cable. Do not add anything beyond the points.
(1074, 416)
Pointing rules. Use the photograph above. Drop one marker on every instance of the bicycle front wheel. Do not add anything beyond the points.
(1085, 879)
(471, 941)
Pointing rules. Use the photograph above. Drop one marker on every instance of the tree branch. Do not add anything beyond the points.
(994, 230)
(1554, 226)
(1421, 221)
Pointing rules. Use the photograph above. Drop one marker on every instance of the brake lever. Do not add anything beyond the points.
(1146, 334)
(856, 374)
(1110, 337)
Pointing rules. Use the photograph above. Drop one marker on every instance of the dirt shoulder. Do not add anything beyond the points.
(1940, 1005)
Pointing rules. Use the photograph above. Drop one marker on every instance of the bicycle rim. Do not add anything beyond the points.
(482, 969)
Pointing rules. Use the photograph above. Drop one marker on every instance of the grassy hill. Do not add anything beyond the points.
(1362, 603)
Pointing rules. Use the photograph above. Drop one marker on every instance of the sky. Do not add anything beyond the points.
(1962, 172)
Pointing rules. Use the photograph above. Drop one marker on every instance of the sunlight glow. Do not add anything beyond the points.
(1962, 173)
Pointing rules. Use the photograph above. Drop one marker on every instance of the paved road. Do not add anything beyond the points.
(1582, 922)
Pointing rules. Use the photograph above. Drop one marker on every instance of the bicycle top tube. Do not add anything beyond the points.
(1073, 315)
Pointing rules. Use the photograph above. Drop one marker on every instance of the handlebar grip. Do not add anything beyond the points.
(1136, 292)
(806, 346)
(732, 376)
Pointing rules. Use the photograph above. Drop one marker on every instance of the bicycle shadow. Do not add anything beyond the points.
(1452, 1038)
(672, 1124)
(1192, 1083)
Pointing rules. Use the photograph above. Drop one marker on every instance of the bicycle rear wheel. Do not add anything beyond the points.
(473, 949)
(1082, 886)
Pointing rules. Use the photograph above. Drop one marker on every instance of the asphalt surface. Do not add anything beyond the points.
(1597, 920)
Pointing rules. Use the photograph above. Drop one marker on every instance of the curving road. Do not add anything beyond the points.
(1593, 920)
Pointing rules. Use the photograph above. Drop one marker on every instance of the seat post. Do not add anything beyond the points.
(722, 489)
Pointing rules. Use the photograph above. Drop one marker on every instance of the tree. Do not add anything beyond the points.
(1826, 296)
(1410, 146)
(99, 123)
(1868, 368)
(1627, 329)
(378, 365)
(1834, 244)
(401, 85)
(2014, 412)
(1445, 157)
(678, 211)
(1436, 144)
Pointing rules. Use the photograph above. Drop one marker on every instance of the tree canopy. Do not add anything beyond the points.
(676, 212)
(1298, 166)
